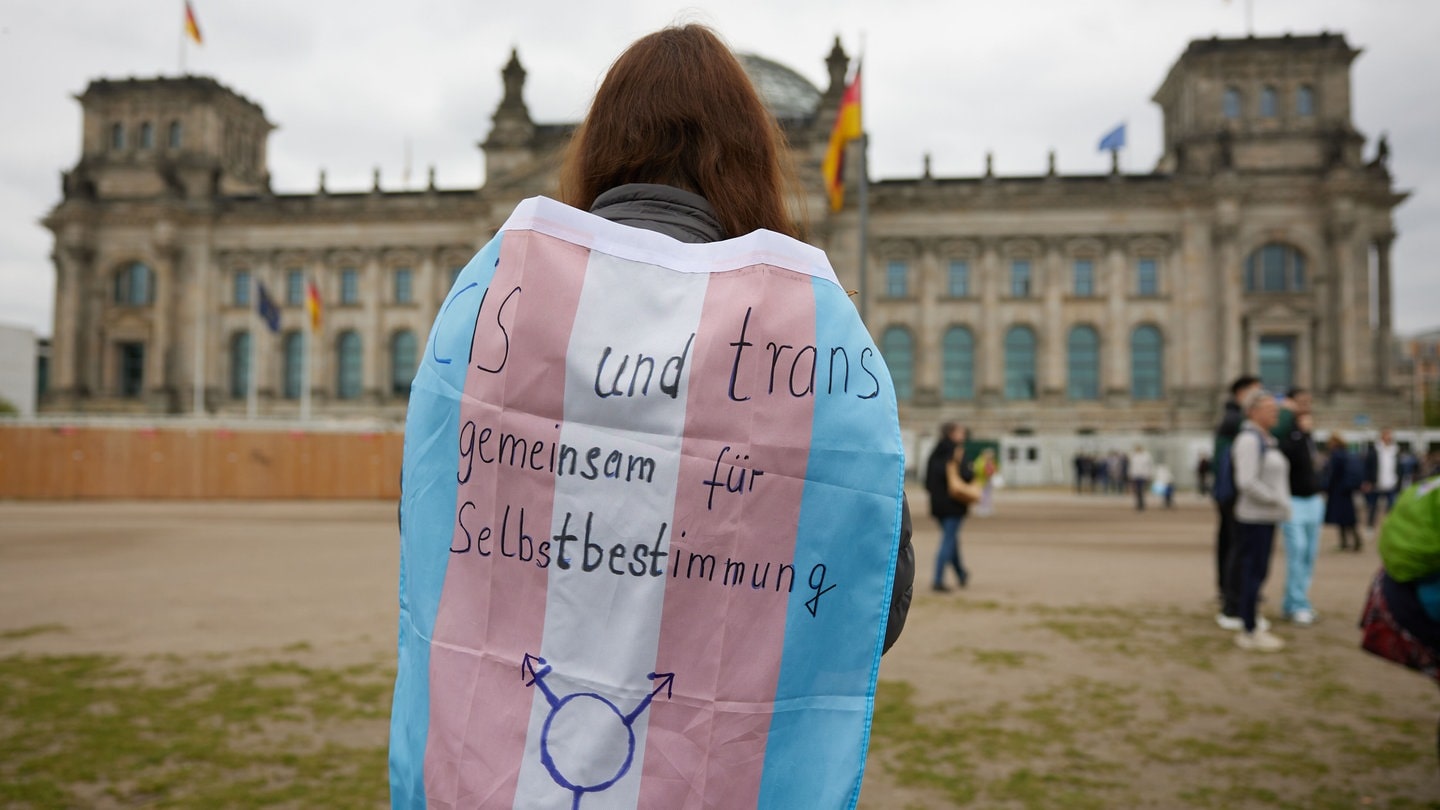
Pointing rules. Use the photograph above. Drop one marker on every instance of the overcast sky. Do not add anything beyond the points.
(348, 82)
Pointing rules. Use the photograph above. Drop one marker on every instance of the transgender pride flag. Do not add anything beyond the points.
(652, 497)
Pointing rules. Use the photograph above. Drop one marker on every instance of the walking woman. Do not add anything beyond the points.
(1262, 481)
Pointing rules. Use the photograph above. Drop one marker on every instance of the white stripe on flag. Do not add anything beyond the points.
(633, 309)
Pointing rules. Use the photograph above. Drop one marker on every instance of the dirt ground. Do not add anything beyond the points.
(1065, 590)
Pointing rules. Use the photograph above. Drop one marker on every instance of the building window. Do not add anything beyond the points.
(294, 348)
(132, 369)
(1084, 286)
(1275, 268)
(1082, 356)
(348, 378)
(117, 136)
(349, 286)
(404, 289)
(240, 288)
(134, 285)
(1269, 102)
(959, 286)
(402, 361)
(175, 137)
(240, 365)
(294, 287)
(898, 348)
(1020, 363)
(1277, 363)
(1147, 278)
(1020, 282)
(1305, 100)
(897, 280)
(147, 135)
(1230, 105)
(1147, 363)
(958, 356)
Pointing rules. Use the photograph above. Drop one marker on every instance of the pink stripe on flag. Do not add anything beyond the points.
(724, 638)
(492, 608)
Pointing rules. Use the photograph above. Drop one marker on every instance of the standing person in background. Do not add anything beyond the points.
(1408, 466)
(1340, 477)
(948, 510)
(1226, 561)
(985, 470)
(1307, 508)
(1382, 477)
(1141, 470)
(1202, 475)
(1262, 484)
(1165, 485)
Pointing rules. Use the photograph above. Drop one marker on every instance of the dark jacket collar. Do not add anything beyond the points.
(675, 212)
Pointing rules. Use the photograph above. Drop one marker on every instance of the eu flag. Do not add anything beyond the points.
(1113, 140)
(268, 311)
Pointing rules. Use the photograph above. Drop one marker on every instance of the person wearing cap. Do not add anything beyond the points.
(1262, 486)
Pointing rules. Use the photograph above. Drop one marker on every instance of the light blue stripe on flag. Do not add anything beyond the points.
(1114, 139)
(850, 522)
(427, 515)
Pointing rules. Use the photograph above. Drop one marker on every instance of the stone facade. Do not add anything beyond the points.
(1056, 304)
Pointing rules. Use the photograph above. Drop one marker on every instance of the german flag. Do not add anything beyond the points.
(192, 28)
(847, 128)
(312, 304)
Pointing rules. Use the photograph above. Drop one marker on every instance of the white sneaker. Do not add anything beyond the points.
(1259, 641)
(1303, 617)
(1229, 622)
(1262, 624)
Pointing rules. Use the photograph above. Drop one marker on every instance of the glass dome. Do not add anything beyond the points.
(789, 95)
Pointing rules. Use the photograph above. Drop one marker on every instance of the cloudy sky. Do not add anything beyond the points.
(350, 82)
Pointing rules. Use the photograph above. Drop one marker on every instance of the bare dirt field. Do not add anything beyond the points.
(1080, 668)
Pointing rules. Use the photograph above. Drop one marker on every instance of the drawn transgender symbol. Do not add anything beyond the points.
(594, 716)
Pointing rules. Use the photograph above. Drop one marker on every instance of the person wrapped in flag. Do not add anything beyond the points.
(653, 531)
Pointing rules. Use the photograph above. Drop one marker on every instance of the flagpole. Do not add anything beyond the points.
(252, 401)
(864, 216)
(305, 360)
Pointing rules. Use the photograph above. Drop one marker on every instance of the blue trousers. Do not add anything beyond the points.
(949, 551)
(1302, 541)
(1254, 543)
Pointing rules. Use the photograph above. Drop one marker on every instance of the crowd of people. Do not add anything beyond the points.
(1115, 472)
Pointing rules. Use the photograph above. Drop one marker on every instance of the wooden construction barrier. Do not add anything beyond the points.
(43, 462)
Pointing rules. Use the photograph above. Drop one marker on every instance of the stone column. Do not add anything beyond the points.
(95, 287)
(159, 365)
(66, 357)
(1050, 276)
(929, 285)
(1115, 335)
(1229, 279)
(1383, 336)
(372, 335)
(992, 338)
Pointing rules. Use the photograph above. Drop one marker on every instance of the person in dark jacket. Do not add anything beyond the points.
(692, 194)
(1227, 574)
(1301, 532)
(1341, 477)
(946, 509)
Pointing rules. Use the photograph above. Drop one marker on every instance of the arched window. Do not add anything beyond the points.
(1275, 267)
(1269, 102)
(134, 285)
(1082, 360)
(898, 349)
(402, 361)
(240, 365)
(147, 135)
(348, 377)
(1147, 363)
(1230, 104)
(117, 136)
(1020, 363)
(958, 357)
(175, 138)
(294, 348)
(1305, 100)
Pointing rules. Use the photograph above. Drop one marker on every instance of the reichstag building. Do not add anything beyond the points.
(1025, 305)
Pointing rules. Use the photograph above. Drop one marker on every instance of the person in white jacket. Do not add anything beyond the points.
(1142, 470)
(1262, 484)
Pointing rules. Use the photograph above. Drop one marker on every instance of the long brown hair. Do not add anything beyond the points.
(678, 109)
